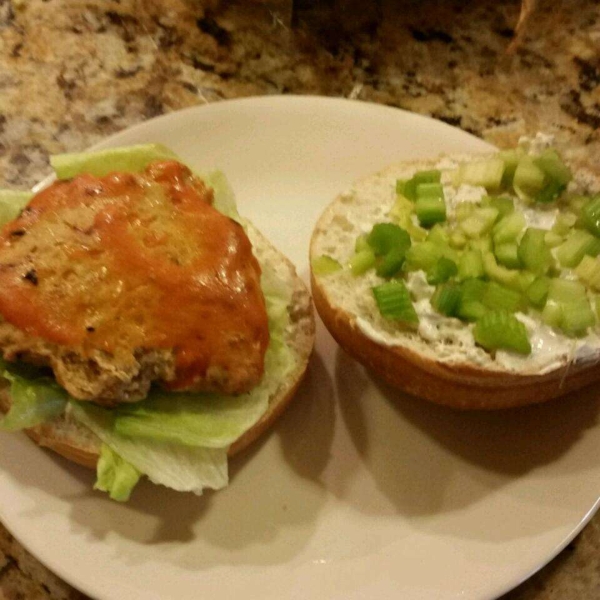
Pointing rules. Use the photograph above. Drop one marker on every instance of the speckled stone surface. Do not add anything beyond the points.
(75, 71)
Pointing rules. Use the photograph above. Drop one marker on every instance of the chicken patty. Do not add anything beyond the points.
(121, 281)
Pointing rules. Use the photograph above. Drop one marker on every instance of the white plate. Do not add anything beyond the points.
(359, 492)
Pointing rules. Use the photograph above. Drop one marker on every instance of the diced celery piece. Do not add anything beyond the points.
(537, 292)
(442, 271)
(324, 265)
(428, 176)
(457, 239)
(485, 173)
(430, 210)
(394, 303)
(590, 216)
(550, 192)
(361, 243)
(577, 317)
(483, 244)
(470, 265)
(588, 271)
(503, 204)
(438, 234)
(564, 223)
(500, 330)
(391, 263)
(430, 190)
(402, 212)
(533, 252)
(576, 203)
(576, 246)
(479, 222)
(11, 204)
(507, 255)
(464, 210)
(508, 228)
(554, 167)
(553, 239)
(565, 290)
(446, 299)
(498, 273)
(422, 256)
(529, 179)
(385, 236)
(362, 261)
(470, 307)
(521, 282)
(131, 159)
(552, 314)
(498, 297)
(511, 160)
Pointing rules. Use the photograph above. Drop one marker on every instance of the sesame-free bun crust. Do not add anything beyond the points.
(412, 364)
(75, 442)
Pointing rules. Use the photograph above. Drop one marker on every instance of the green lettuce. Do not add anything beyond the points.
(11, 204)
(116, 476)
(35, 399)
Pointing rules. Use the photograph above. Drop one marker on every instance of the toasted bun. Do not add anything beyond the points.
(69, 438)
(444, 370)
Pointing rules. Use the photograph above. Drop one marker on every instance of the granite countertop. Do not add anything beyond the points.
(75, 71)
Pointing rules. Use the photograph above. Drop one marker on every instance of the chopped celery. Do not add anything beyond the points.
(470, 264)
(402, 212)
(457, 239)
(464, 210)
(362, 261)
(446, 299)
(503, 204)
(522, 281)
(566, 290)
(324, 265)
(479, 222)
(485, 173)
(576, 246)
(576, 203)
(430, 210)
(499, 330)
(533, 252)
(391, 263)
(470, 307)
(511, 160)
(507, 255)
(551, 163)
(498, 297)
(550, 192)
(588, 271)
(590, 216)
(408, 188)
(483, 244)
(442, 271)
(498, 273)
(553, 239)
(394, 303)
(529, 179)
(428, 176)
(564, 223)
(430, 190)
(508, 228)
(385, 236)
(537, 292)
(576, 317)
(422, 256)
(438, 234)
(552, 314)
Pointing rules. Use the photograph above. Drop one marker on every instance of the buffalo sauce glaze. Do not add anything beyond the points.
(130, 261)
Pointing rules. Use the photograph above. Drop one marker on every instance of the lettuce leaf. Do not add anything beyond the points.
(181, 468)
(115, 476)
(102, 162)
(35, 399)
(11, 203)
(224, 198)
